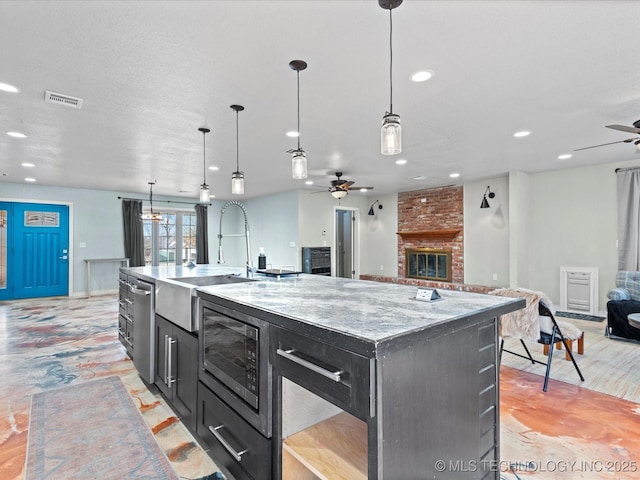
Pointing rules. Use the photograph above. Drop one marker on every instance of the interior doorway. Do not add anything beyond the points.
(346, 242)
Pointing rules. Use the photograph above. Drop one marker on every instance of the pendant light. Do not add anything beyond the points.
(205, 193)
(237, 177)
(299, 157)
(391, 132)
(154, 217)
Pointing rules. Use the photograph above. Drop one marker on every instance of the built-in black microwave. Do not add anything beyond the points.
(234, 361)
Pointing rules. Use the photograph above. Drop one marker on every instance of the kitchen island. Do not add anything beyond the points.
(357, 379)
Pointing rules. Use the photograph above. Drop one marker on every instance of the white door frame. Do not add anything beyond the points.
(356, 241)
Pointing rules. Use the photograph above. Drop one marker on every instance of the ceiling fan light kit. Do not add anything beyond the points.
(205, 193)
(391, 131)
(237, 177)
(298, 158)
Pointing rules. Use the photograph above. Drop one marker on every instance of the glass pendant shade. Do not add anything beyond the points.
(339, 193)
(205, 193)
(237, 183)
(391, 135)
(299, 164)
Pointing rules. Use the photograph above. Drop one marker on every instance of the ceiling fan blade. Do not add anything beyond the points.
(603, 144)
(624, 128)
(361, 188)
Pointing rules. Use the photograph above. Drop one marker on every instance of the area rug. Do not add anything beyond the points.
(580, 316)
(92, 430)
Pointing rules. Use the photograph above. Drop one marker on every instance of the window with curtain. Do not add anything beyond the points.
(172, 240)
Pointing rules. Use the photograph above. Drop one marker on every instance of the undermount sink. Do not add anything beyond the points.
(212, 280)
(176, 297)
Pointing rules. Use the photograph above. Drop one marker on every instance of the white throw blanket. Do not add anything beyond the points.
(523, 323)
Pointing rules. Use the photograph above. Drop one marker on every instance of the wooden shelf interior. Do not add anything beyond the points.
(334, 449)
(445, 234)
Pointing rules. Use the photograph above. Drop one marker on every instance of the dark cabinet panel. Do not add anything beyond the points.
(232, 441)
(177, 368)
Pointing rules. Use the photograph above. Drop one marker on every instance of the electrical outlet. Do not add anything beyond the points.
(381, 267)
(495, 276)
(292, 244)
(82, 245)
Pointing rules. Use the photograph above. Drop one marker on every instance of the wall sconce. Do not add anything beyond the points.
(485, 202)
(371, 211)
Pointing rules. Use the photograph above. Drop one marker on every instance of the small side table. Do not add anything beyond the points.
(634, 319)
(123, 262)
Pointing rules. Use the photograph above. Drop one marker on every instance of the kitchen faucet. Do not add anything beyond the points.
(246, 234)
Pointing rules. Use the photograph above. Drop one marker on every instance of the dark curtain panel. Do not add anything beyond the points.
(202, 235)
(133, 233)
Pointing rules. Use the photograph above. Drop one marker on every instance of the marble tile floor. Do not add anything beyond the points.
(52, 342)
(569, 432)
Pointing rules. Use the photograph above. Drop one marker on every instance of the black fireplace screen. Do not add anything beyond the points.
(428, 264)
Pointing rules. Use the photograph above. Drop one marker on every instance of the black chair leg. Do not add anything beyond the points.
(533, 362)
(500, 352)
(551, 347)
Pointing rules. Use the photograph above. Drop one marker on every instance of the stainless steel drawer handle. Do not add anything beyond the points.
(225, 444)
(289, 354)
(139, 291)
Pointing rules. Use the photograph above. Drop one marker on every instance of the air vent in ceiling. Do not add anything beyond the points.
(61, 99)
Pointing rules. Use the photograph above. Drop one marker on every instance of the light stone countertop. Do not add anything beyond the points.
(371, 311)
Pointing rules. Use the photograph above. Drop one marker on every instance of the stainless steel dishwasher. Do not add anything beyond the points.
(143, 328)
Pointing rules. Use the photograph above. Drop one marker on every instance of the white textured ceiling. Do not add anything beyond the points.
(151, 73)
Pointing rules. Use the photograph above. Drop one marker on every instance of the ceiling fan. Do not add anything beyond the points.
(340, 188)
(623, 128)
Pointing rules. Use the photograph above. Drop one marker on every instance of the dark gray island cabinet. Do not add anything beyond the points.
(370, 383)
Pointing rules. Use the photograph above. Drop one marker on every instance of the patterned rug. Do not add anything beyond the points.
(579, 316)
(92, 430)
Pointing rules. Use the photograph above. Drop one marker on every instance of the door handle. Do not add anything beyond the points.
(64, 257)
(169, 342)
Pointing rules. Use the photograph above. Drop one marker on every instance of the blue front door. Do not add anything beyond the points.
(37, 250)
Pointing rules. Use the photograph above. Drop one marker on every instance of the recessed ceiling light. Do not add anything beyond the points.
(309, 182)
(523, 133)
(29, 179)
(419, 177)
(564, 156)
(16, 134)
(454, 175)
(402, 161)
(214, 168)
(5, 87)
(422, 76)
(28, 165)
(293, 134)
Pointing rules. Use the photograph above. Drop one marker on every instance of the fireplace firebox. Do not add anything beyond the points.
(428, 264)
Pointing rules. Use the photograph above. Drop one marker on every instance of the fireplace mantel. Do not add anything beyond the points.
(446, 234)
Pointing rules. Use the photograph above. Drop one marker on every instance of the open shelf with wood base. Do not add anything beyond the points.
(334, 449)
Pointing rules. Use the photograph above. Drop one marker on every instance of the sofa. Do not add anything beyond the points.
(623, 300)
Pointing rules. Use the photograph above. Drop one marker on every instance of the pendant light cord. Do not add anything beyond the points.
(298, 76)
(390, 62)
(204, 160)
(237, 145)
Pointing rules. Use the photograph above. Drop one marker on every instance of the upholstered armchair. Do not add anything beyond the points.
(623, 300)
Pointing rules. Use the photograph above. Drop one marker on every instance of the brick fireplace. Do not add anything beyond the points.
(432, 219)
